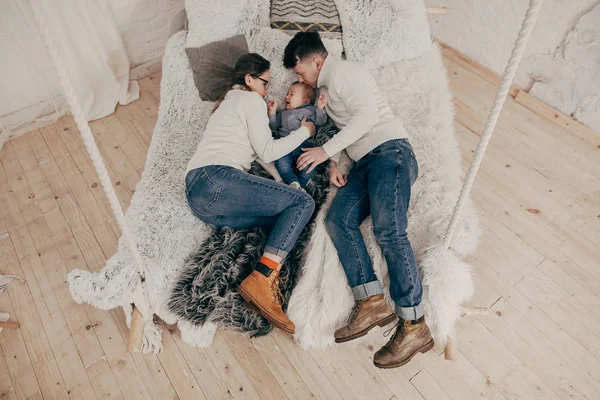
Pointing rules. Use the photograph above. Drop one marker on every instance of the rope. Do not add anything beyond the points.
(492, 118)
(16, 277)
(86, 133)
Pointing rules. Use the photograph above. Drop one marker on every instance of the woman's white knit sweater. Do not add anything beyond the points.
(238, 132)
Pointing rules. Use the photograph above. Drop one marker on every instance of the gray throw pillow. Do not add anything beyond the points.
(213, 63)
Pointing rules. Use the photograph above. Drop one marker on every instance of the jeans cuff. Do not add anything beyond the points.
(410, 313)
(366, 290)
(276, 252)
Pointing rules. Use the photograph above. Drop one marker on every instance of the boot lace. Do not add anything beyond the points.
(399, 327)
(353, 312)
(387, 333)
(276, 291)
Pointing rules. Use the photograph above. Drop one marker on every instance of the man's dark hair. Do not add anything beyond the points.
(303, 45)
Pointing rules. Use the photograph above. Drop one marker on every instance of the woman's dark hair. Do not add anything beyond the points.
(250, 63)
(302, 45)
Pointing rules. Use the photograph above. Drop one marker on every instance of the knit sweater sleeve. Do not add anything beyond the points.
(353, 87)
(275, 121)
(257, 122)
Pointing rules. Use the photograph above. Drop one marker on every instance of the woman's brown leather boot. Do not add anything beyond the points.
(261, 291)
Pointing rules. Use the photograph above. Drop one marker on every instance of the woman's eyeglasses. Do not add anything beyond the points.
(266, 82)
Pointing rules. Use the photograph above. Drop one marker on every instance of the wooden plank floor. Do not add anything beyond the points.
(537, 268)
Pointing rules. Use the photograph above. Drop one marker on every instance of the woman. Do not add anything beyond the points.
(220, 192)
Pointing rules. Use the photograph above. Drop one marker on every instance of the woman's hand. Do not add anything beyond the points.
(271, 107)
(311, 157)
(335, 175)
(309, 125)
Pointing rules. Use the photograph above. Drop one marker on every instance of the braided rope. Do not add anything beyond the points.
(492, 118)
(85, 132)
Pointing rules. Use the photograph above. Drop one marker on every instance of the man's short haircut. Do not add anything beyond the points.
(303, 45)
(309, 91)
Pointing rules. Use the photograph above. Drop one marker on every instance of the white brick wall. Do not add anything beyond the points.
(144, 26)
(556, 66)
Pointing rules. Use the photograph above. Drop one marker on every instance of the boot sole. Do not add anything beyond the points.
(423, 349)
(255, 307)
(386, 321)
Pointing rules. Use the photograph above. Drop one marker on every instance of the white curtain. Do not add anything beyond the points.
(92, 51)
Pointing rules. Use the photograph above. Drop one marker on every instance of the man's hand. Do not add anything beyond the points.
(335, 175)
(311, 126)
(271, 107)
(311, 157)
(322, 102)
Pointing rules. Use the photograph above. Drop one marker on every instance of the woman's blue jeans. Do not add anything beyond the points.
(379, 185)
(226, 196)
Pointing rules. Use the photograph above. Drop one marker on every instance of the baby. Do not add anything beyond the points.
(298, 104)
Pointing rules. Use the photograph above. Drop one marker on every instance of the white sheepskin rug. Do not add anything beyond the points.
(167, 232)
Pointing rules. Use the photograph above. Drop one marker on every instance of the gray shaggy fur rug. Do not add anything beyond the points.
(205, 290)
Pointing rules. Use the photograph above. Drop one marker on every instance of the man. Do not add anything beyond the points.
(378, 184)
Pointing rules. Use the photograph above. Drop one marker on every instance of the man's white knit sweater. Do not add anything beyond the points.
(356, 105)
(238, 132)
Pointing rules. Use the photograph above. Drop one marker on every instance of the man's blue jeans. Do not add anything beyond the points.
(379, 184)
(286, 166)
(226, 196)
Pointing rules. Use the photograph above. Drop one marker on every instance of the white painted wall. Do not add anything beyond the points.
(561, 65)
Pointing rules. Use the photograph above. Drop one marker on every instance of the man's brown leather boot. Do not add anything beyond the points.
(261, 291)
(367, 314)
(410, 338)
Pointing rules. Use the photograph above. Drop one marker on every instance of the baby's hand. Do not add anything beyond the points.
(271, 107)
(322, 101)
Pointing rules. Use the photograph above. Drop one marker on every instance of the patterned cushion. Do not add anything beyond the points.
(292, 16)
